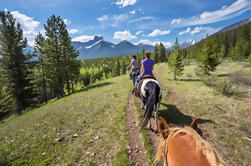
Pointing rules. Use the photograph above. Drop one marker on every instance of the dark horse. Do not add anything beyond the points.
(149, 91)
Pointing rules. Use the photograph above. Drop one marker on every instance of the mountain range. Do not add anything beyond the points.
(234, 26)
(98, 47)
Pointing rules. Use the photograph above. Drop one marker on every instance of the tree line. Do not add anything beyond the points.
(233, 45)
(31, 78)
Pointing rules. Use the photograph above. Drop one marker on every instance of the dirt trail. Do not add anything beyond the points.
(172, 96)
(136, 149)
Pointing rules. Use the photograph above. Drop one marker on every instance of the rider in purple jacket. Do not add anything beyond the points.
(146, 67)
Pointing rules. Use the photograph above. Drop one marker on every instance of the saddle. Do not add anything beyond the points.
(147, 76)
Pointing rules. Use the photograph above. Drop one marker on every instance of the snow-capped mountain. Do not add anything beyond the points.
(100, 48)
(187, 43)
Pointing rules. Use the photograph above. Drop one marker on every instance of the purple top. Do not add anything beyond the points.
(135, 64)
(148, 63)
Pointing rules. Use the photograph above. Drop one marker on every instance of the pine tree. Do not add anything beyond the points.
(175, 60)
(162, 53)
(15, 62)
(240, 51)
(156, 53)
(208, 58)
(39, 50)
(222, 52)
(123, 68)
(118, 68)
(63, 65)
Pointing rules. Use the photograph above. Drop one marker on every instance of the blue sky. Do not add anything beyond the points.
(148, 21)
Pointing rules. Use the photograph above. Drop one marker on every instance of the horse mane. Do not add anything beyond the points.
(211, 154)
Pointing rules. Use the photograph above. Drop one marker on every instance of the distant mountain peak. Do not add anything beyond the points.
(98, 37)
(187, 43)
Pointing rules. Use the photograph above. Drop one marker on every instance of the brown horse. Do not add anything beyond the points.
(185, 147)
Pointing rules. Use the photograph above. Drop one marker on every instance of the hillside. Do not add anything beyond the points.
(86, 128)
(236, 25)
(233, 42)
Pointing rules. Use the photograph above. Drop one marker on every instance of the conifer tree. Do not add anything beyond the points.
(175, 60)
(39, 50)
(162, 53)
(15, 62)
(63, 65)
(123, 68)
(208, 58)
(156, 53)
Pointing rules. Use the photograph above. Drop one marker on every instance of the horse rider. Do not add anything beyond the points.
(147, 65)
(135, 66)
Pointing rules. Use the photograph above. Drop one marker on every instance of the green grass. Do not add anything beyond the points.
(45, 136)
(223, 120)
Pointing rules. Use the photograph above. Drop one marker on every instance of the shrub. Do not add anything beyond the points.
(240, 78)
(189, 75)
(186, 62)
(209, 80)
(199, 72)
(224, 87)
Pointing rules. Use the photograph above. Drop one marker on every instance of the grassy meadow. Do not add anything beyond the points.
(224, 121)
(86, 128)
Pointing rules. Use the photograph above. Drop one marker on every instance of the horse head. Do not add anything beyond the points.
(184, 146)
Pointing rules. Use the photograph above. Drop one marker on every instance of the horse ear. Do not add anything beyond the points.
(163, 127)
(194, 124)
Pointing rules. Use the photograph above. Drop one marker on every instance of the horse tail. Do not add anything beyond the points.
(149, 106)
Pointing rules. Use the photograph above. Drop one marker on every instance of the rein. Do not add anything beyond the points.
(165, 152)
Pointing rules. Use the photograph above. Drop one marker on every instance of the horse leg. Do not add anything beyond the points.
(156, 115)
(149, 124)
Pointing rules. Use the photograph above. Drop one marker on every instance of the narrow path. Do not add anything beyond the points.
(153, 136)
(136, 149)
(172, 96)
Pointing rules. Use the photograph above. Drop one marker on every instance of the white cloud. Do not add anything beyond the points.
(204, 30)
(146, 41)
(28, 24)
(119, 19)
(5, 10)
(103, 18)
(83, 38)
(139, 32)
(126, 35)
(113, 21)
(67, 22)
(224, 13)
(73, 31)
(124, 3)
(185, 31)
(177, 21)
(132, 12)
(142, 18)
(158, 32)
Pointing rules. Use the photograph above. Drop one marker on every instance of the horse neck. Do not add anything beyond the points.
(208, 156)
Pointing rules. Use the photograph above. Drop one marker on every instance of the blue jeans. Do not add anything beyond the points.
(138, 79)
